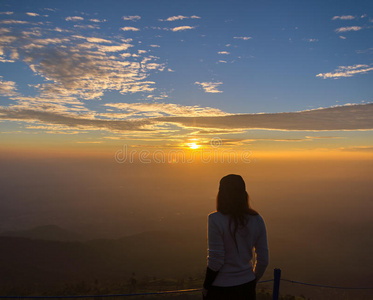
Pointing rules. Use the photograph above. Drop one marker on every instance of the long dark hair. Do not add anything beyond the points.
(233, 200)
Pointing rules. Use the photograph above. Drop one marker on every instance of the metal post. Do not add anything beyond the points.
(276, 284)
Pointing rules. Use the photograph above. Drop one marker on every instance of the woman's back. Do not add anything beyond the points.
(234, 230)
(234, 258)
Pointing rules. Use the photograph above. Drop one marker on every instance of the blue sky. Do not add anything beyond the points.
(131, 62)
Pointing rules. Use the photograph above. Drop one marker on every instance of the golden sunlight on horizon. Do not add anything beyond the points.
(193, 144)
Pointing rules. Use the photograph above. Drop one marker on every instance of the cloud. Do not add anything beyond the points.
(7, 88)
(71, 120)
(89, 75)
(178, 18)
(130, 29)
(55, 103)
(312, 40)
(224, 52)
(87, 26)
(74, 18)
(162, 109)
(350, 28)
(348, 117)
(79, 66)
(97, 20)
(52, 114)
(245, 38)
(347, 71)
(368, 51)
(181, 28)
(13, 22)
(175, 18)
(97, 40)
(131, 18)
(31, 14)
(357, 149)
(348, 17)
(6, 13)
(210, 87)
(6, 60)
(118, 48)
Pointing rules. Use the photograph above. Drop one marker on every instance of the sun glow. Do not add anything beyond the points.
(193, 145)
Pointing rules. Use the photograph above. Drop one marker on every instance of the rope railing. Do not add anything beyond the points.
(328, 286)
(276, 286)
(103, 296)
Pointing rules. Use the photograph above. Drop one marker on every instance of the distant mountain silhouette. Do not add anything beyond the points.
(46, 232)
(26, 262)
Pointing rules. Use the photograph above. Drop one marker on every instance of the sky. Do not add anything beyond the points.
(256, 82)
(269, 77)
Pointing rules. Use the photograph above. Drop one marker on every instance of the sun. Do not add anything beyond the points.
(193, 145)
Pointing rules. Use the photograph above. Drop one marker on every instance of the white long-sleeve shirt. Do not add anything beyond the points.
(235, 267)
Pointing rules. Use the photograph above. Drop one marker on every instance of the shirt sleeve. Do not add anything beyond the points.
(261, 250)
(216, 250)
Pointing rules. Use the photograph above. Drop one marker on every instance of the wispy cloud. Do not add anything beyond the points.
(164, 109)
(177, 18)
(6, 13)
(97, 40)
(357, 149)
(311, 40)
(55, 104)
(245, 38)
(97, 20)
(181, 28)
(80, 66)
(346, 17)
(348, 117)
(32, 14)
(349, 28)
(224, 52)
(131, 18)
(347, 71)
(71, 120)
(141, 114)
(74, 18)
(210, 87)
(7, 88)
(13, 22)
(130, 29)
(87, 26)
(368, 51)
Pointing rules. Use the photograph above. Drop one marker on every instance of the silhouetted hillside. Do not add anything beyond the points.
(40, 262)
(46, 232)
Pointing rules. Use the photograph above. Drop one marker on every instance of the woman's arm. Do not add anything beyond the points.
(216, 252)
(261, 250)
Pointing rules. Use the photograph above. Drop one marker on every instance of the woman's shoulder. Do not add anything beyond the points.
(259, 221)
(216, 215)
(257, 217)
